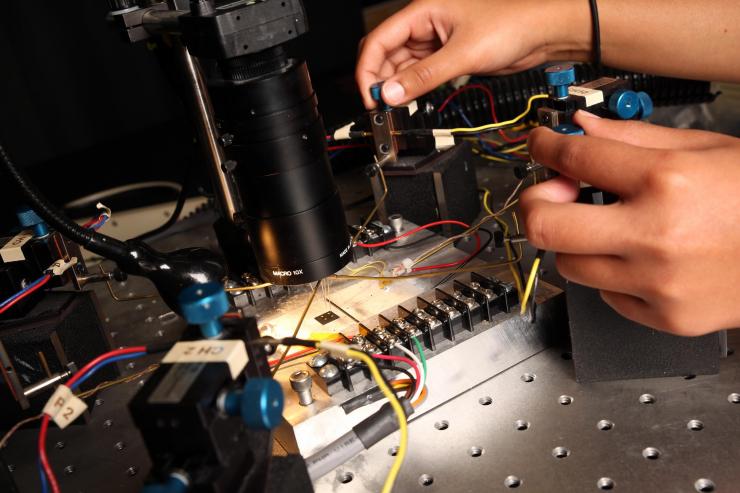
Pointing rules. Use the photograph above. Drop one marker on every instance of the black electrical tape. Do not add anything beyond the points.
(381, 424)
(596, 30)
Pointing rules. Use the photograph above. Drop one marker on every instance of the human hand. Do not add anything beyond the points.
(665, 254)
(433, 41)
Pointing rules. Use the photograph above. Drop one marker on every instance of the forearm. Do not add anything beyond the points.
(680, 38)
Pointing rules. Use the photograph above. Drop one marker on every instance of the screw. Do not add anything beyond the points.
(301, 382)
(69, 470)
(132, 471)
(227, 140)
(328, 371)
(119, 446)
(319, 360)
(59, 445)
(107, 423)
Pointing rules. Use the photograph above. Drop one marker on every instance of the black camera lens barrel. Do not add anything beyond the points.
(293, 215)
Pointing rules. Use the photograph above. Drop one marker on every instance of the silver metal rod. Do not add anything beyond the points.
(43, 384)
(208, 135)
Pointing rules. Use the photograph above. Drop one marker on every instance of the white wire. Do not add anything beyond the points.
(423, 382)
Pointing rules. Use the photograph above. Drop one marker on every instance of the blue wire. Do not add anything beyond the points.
(102, 364)
(99, 223)
(44, 481)
(19, 293)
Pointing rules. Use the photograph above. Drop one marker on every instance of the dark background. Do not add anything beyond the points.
(83, 110)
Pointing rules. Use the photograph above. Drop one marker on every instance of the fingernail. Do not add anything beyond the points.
(393, 92)
(588, 114)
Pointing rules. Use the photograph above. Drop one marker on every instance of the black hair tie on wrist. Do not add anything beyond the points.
(596, 33)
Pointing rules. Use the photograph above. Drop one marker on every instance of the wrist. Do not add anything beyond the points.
(567, 32)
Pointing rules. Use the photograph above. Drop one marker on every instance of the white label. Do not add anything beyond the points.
(231, 352)
(413, 107)
(64, 407)
(61, 266)
(12, 251)
(592, 96)
(444, 141)
(343, 133)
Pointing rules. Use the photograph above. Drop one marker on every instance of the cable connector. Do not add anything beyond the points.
(61, 266)
(404, 268)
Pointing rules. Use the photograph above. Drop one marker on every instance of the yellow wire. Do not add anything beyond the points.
(370, 265)
(248, 288)
(491, 158)
(509, 254)
(517, 231)
(515, 149)
(530, 283)
(494, 126)
(424, 275)
(400, 414)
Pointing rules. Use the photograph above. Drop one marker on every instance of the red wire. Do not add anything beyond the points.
(26, 294)
(481, 87)
(413, 231)
(347, 146)
(293, 356)
(232, 315)
(45, 420)
(403, 360)
(42, 455)
(451, 264)
(92, 222)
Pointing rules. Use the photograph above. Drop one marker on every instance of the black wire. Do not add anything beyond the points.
(596, 33)
(472, 257)
(410, 391)
(181, 198)
(101, 244)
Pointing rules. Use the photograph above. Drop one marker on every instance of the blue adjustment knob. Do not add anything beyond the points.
(376, 92)
(204, 304)
(625, 104)
(646, 104)
(569, 129)
(28, 218)
(262, 404)
(178, 482)
(559, 77)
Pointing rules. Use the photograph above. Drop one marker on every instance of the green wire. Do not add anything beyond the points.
(421, 353)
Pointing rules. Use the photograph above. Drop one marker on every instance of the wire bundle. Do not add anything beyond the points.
(25, 292)
(47, 474)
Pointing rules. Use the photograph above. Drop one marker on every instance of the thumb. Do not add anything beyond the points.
(644, 134)
(423, 76)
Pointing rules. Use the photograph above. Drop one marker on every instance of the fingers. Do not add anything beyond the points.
(605, 272)
(573, 228)
(559, 189)
(631, 307)
(377, 47)
(552, 222)
(423, 76)
(607, 164)
(644, 134)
